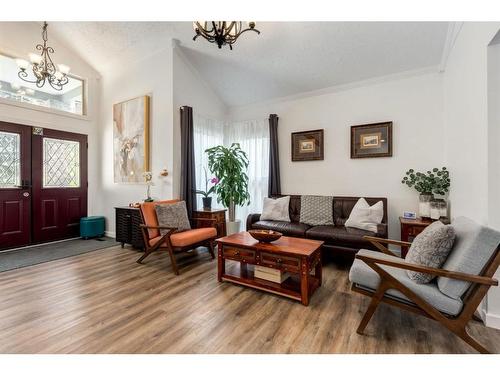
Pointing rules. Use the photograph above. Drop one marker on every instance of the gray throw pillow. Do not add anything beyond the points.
(316, 210)
(172, 215)
(430, 248)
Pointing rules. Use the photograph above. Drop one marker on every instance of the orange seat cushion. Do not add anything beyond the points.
(149, 215)
(188, 237)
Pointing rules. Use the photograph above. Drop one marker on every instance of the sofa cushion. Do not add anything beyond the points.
(288, 229)
(172, 215)
(474, 246)
(342, 236)
(430, 248)
(366, 217)
(342, 207)
(149, 215)
(316, 210)
(187, 238)
(276, 209)
(365, 277)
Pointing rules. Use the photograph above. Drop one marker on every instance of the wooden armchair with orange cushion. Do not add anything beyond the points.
(174, 241)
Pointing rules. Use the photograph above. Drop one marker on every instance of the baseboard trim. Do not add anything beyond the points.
(492, 320)
(110, 234)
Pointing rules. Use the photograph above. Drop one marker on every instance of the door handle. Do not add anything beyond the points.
(26, 194)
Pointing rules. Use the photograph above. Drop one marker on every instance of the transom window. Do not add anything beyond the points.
(69, 99)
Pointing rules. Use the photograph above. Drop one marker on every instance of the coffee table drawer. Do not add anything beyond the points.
(281, 262)
(239, 254)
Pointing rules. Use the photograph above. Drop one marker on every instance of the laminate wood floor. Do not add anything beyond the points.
(104, 302)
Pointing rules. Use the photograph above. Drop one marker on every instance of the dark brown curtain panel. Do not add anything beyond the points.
(274, 187)
(188, 176)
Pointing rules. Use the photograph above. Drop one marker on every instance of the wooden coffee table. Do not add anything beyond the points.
(298, 256)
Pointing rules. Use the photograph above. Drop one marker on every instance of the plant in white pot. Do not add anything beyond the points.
(230, 164)
(428, 184)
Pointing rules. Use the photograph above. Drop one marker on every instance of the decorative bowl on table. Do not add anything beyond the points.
(265, 235)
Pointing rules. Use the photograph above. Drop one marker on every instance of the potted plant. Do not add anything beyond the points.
(427, 184)
(229, 165)
(207, 199)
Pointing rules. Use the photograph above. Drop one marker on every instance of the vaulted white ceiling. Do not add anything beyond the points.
(287, 58)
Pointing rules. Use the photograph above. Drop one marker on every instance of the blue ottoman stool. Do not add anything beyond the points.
(91, 226)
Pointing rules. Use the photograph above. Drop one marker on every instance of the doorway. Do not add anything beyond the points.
(43, 184)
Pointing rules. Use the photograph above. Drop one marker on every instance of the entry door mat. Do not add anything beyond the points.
(29, 256)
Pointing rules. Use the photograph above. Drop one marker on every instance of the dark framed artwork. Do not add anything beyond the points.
(371, 140)
(307, 145)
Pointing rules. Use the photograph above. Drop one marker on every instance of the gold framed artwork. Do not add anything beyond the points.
(308, 145)
(131, 140)
(371, 140)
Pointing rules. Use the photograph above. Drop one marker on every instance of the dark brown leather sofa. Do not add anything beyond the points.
(337, 238)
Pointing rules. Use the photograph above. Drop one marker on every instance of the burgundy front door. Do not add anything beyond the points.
(15, 191)
(59, 184)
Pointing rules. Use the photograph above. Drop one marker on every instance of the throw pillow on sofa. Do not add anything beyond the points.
(364, 216)
(316, 210)
(172, 215)
(430, 248)
(276, 209)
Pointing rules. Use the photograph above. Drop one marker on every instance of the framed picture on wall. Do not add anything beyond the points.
(131, 140)
(307, 145)
(371, 140)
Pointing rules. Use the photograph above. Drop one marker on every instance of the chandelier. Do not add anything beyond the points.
(221, 32)
(42, 66)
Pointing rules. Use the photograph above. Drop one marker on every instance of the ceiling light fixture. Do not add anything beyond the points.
(42, 66)
(221, 32)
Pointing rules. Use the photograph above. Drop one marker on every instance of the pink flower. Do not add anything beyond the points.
(214, 180)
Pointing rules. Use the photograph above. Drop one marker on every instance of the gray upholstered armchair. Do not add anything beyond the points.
(451, 298)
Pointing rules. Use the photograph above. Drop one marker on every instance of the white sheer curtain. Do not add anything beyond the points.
(207, 133)
(253, 137)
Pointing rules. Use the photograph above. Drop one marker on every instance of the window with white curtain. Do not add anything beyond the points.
(207, 133)
(253, 137)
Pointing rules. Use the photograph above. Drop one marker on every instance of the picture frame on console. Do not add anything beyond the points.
(308, 145)
(371, 140)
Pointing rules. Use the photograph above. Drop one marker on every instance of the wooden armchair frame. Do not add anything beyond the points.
(165, 239)
(456, 324)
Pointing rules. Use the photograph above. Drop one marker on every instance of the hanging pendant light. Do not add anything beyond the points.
(222, 32)
(44, 70)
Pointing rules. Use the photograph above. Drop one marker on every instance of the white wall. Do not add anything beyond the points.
(190, 89)
(465, 89)
(467, 139)
(151, 76)
(414, 105)
(171, 82)
(493, 301)
(18, 39)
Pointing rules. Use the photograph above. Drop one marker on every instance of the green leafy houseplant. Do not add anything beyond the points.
(436, 181)
(230, 164)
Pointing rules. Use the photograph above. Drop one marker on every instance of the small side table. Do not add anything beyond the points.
(218, 214)
(410, 228)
